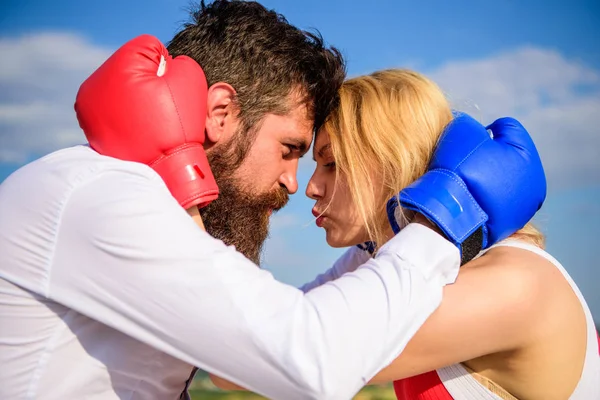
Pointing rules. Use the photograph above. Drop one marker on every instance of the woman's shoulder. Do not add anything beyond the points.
(541, 281)
(516, 257)
(549, 305)
(521, 257)
(529, 273)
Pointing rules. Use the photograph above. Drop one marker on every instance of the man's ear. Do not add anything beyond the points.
(221, 120)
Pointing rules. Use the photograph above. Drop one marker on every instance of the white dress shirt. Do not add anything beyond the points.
(349, 261)
(109, 290)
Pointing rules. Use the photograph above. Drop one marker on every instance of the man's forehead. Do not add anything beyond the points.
(299, 125)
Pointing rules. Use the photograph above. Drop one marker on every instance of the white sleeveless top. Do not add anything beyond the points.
(463, 386)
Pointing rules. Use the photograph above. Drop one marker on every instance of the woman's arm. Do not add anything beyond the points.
(497, 304)
(224, 383)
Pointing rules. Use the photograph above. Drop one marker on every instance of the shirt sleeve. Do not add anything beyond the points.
(348, 262)
(130, 257)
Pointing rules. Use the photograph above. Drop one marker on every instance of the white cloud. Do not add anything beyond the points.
(282, 220)
(557, 99)
(39, 78)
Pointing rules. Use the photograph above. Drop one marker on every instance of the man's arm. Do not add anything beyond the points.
(349, 261)
(130, 257)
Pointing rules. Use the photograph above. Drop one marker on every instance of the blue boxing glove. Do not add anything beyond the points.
(478, 189)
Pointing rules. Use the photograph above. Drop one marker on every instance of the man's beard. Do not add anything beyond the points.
(239, 217)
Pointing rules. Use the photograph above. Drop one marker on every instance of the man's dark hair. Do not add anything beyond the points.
(263, 58)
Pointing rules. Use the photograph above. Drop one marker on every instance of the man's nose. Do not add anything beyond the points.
(289, 178)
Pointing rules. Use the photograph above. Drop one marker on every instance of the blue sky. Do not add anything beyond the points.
(536, 60)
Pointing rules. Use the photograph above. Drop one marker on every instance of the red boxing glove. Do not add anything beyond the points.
(143, 105)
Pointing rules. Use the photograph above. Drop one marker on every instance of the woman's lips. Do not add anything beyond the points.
(320, 218)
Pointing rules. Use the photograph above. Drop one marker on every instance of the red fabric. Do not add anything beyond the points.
(427, 386)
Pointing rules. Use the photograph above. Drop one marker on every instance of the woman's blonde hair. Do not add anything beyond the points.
(386, 127)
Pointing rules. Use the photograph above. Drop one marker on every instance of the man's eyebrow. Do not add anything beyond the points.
(300, 144)
(322, 150)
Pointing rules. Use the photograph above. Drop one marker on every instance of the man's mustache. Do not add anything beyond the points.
(279, 199)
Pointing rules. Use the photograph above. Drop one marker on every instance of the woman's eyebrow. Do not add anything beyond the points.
(322, 150)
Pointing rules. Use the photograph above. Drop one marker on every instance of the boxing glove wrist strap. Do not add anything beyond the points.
(443, 197)
(186, 173)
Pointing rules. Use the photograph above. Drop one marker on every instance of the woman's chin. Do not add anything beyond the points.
(331, 239)
(337, 242)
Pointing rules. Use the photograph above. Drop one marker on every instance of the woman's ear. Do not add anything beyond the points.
(221, 121)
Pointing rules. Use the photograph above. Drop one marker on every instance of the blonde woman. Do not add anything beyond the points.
(514, 325)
